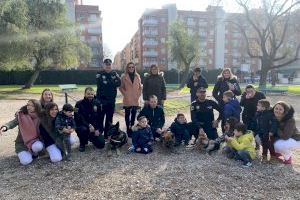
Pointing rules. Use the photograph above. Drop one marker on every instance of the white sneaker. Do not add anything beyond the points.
(247, 165)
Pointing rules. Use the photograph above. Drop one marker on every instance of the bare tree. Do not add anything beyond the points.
(271, 33)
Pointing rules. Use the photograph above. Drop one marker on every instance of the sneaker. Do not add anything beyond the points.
(247, 165)
(82, 148)
(146, 150)
(288, 162)
(131, 149)
(118, 152)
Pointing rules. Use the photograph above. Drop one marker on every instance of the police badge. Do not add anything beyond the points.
(95, 108)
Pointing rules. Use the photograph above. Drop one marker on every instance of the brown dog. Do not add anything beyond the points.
(202, 141)
(167, 139)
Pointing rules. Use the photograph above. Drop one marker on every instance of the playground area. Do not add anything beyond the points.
(188, 174)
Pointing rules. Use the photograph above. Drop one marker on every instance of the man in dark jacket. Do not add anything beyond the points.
(196, 81)
(154, 84)
(87, 117)
(249, 101)
(155, 115)
(202, 114)
(107, 83)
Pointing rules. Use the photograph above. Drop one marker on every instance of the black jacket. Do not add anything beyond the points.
(156, 116)
(179, 129)
(222, 86)
(250, 107)
(202, 113)
(201, 82)
(154, 85)
(88, 112)
(63, 121)
(107, 84)
(265, 123)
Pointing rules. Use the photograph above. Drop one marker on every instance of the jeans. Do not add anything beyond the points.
(242, 155)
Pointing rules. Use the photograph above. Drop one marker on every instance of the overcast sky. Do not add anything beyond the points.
(120, 17)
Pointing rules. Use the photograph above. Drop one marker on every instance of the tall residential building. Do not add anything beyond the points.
(89, 19)
(220, 42)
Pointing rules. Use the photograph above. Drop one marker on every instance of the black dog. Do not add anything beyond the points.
(117, 138)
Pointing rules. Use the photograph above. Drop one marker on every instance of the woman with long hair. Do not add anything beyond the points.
(131, 89)
(288, 137)
(154, 84)
(27, 143)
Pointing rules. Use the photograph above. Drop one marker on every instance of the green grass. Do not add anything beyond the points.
(294, 89)
(173, 106)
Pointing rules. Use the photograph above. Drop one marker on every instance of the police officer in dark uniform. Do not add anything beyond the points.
(87, 115)
(107, 83)
(202, 114)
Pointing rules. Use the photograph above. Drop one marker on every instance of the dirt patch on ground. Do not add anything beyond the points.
(187, 174)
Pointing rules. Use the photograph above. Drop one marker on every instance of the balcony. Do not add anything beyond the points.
(150, 22)
(150, 53)
(152, 33)
(150, 43)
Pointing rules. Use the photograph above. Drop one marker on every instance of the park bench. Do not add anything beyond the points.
(274, 90)
(67, 88)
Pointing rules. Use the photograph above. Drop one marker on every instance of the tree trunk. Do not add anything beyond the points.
(185, 77)
(263, 77)
(32, 79)
(274, 78)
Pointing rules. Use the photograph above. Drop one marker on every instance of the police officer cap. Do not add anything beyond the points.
(107, 61)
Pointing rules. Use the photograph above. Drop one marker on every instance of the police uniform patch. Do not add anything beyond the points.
(105, 82)
(95, 108)
(103, 77)
(113, 77)
(192, 107)
(197, 107)
(97, 75)
(209, 107)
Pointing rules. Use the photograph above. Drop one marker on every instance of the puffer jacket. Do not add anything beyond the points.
(232, 109)
(243, 142)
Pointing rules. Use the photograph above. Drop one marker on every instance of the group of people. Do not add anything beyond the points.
(43, 126)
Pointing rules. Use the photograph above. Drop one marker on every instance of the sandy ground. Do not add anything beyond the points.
(188, 174)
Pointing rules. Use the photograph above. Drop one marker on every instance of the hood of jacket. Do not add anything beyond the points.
(159, 74)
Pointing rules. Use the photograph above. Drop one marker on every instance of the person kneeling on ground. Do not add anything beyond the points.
(142, 138)
(155, 115)
(229, 131)
(180, 129)
(240, 146)
(87, 117)
(65, 124)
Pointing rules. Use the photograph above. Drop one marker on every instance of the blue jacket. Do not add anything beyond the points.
(63, 121)
(141, 136)
(107, 84)
(232, 109)
(265, 122)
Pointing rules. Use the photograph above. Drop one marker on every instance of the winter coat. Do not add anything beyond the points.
(243, 142)
(131, 91)
(155, 116)
(107, 84)
(154, 85)
(222, 86)
(194, 85)
(265, 123)
(141, 136)
(63, 121)
(88, 112)
(287, 127)
(232, 109)
(179, 129)
(250, 107)
(19, 143)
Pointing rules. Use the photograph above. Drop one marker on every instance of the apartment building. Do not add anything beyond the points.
(221, 43)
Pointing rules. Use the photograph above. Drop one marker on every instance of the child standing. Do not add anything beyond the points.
(65, 124)
(142, 138)
(240, 146)
(266, 127)
(232, 106)
(180, 130)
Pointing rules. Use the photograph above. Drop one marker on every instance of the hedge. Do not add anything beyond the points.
(82, 77)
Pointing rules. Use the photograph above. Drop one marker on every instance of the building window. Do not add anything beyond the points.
(93, 18)
(163, 19)
(163, 40)
(163, 50)
(94, 39)
(94, 30)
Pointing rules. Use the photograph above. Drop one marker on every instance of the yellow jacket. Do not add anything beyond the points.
(243, 142)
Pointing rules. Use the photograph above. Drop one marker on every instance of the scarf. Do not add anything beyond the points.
(131, 76)
(29, 128)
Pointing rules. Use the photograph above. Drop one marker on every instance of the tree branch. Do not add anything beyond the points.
(290, 61)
